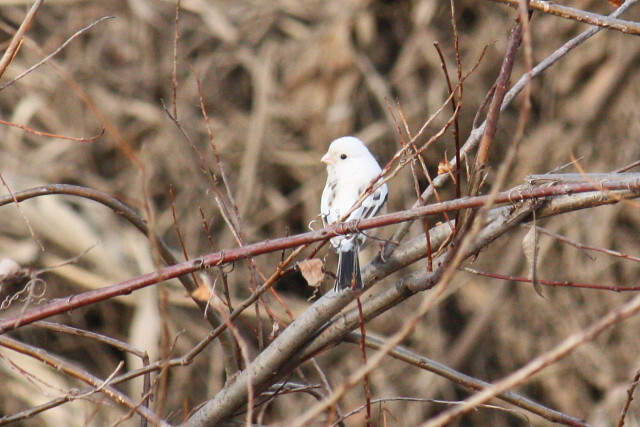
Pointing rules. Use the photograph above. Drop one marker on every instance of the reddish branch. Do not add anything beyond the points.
(52, 135)
(554, 283)
(498, 96)
(235, 254)
(132, 216)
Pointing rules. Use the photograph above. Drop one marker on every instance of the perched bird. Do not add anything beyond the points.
(350, 169)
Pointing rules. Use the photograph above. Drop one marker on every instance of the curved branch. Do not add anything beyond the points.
(132, 217)
(465, 381)
(97, 384)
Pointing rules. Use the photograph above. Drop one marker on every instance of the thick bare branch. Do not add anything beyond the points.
(310, 334)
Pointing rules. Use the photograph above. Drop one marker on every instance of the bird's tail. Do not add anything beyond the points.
(348, 270)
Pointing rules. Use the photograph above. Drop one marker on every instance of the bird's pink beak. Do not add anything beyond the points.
(328, 158)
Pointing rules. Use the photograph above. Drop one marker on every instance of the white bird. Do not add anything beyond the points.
(350, 169)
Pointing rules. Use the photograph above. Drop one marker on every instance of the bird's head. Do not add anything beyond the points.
(344, 150)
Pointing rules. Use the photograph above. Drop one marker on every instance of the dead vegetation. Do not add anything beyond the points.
(278, 81)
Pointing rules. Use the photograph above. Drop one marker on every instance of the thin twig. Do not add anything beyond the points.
(120, 345)
(53, 135)
(465, 381)
(67, 368)
(55, 52)
(174, 71)
(552, 8)
(26, 219)
(627, 402)
(587, 247)
(18, 37)
(542, 361)
(552, 283)
(363, 349)
(494, 108)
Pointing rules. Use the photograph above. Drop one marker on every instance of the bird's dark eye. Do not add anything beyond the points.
(343, 156)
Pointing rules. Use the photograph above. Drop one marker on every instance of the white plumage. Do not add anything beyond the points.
(350, 169)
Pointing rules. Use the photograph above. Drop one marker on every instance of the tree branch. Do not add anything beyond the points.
(310, 333)
(551, 8)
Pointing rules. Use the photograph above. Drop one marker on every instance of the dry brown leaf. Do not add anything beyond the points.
(312, 271)
(444, 167)
(275, 330)
(203, 293)
(530, 248)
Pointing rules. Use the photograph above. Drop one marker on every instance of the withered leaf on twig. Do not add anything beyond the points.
(530, 248)
(312, 271)
(444, 166)
(203, 293)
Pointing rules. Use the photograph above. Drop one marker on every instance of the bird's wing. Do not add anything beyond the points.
(372, 204)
